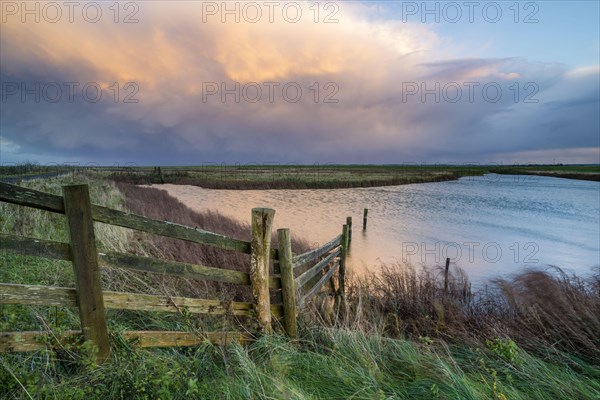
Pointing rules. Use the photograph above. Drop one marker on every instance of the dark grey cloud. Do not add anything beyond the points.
(369, 63)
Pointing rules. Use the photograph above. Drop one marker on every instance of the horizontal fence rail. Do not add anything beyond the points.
(60, 296)
(35, 247)
(319, 285)
(89, 297)
(61, 251)
(53, 203)
(317, 268)
(193, 271)
(312, 255)
(39, 340)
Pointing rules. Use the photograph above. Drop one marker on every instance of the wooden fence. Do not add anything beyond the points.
(299, 277)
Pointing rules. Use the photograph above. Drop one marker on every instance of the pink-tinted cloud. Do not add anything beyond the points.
(174, 52)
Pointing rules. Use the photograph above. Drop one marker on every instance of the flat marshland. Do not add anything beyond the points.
(289, 176)
(400, 336)
(331, 176)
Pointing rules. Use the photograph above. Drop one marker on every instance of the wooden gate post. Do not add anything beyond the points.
(288, 286)
(88, 285)
(262, 221)
(342, 271)
(349, 223)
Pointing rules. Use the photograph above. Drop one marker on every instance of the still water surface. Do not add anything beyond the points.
(490, 226)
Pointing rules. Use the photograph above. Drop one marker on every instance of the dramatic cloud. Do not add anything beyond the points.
(372, 90)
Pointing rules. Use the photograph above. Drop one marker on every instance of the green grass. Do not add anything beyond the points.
(323, 364)
(581, 172)
(34, 223)
(29, 222)
(400, 339)
(560, 168)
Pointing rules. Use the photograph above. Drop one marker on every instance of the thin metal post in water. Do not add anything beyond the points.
(365, 212)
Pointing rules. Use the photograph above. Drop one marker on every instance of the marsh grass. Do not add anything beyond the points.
(580, 172)
(542, 311)
(295, 177)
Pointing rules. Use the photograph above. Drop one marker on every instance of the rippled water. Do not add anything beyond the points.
(490, 226)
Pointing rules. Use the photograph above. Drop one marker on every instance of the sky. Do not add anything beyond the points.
(292, 82)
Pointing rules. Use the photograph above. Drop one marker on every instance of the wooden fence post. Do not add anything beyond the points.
(342, 271)
(288, 286)
(446, 275)
(365, 212)
(88, 284)
(262, 221)
(349, 223)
